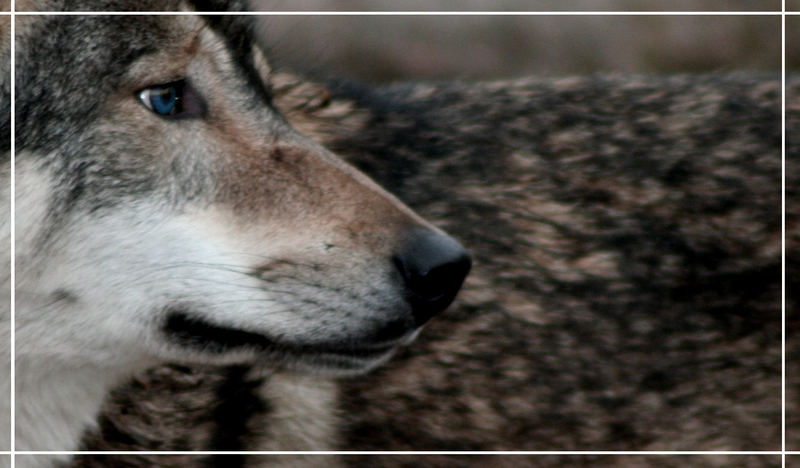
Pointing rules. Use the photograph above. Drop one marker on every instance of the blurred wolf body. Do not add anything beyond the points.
(625, 293)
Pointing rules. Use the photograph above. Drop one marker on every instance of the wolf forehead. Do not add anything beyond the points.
(65, 96)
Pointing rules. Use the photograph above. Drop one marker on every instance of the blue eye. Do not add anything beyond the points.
(174, 99)
(164, 100)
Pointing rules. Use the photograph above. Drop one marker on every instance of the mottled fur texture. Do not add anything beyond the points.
(626, 291)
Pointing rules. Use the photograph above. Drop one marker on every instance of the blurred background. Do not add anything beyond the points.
(793, 42)
(385, 48)
(523, 5)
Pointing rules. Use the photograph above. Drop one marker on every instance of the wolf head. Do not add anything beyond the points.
(166, 210)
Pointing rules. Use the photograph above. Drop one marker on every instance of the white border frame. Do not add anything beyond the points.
(783, 452)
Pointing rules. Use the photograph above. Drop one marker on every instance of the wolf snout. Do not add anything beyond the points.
(433, 267)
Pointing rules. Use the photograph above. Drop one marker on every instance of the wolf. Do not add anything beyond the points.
(625, 232)
(167, 212)
(626, 292)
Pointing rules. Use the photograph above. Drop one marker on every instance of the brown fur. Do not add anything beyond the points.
(626, 290)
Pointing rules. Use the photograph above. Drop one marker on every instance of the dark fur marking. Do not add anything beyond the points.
(199, 334)
(237, 31)
(238, 403)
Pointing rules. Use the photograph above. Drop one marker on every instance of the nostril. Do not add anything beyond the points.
(433, 267)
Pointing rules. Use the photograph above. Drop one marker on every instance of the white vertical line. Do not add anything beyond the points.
(783, 233)
(13, 240)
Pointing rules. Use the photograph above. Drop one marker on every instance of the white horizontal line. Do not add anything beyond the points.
(415, 13)
(434, 452)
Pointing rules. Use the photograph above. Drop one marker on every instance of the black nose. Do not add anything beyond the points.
(433, 267)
